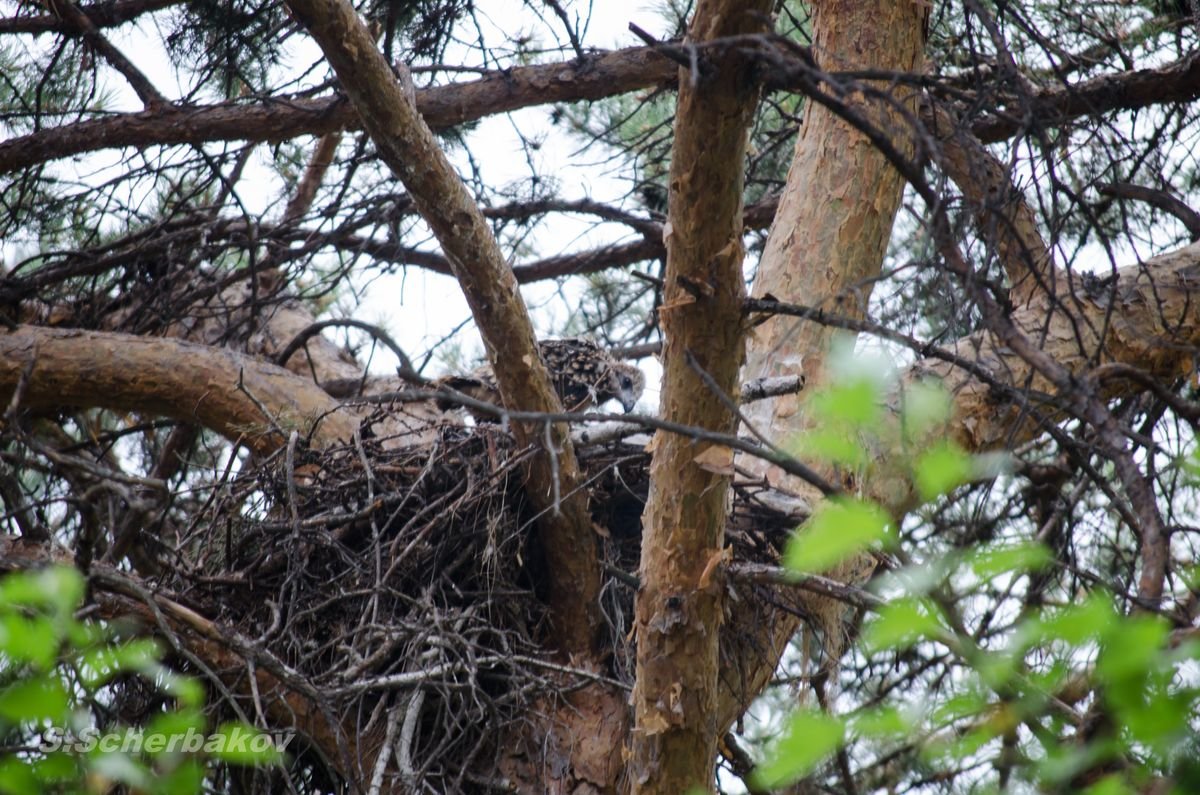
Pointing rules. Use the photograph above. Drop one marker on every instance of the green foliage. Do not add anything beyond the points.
(811, 736)
(839, 529)
(1010, 706)
(231, 45)
(54, 667)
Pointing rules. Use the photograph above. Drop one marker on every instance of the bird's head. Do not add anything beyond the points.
(627, 384)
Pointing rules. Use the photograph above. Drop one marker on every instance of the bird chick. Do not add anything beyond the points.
(583, 373)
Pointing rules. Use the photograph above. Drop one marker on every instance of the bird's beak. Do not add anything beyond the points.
(630, 403)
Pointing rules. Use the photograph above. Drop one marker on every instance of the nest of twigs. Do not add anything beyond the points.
(412, 576)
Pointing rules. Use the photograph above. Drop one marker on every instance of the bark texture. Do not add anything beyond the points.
(605, 75)
(1144, 316)
(1002, 215)
(1153, 323)
(64, 367)
(680, 602)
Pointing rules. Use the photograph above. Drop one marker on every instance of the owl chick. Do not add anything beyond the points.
(583, 373)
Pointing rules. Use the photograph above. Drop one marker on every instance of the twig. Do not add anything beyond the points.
(816, 583)
(561, 13)
(1156, 198)
(241, 387)
(785, 462)
(83, 25)
(405, 370)
(411, 713)
(657, 282)
(385, 752)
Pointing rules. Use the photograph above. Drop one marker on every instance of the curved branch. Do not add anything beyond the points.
(102, 15)
(406, 368)
(129, 373)
(1156, 198)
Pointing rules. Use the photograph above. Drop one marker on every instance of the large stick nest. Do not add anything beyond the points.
(409, 577)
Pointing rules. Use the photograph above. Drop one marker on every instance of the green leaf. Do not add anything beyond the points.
(942, 468)
(964, 705)
(41, 698)
(58, 587)
(969, 743)
(838, 530)
(833, 446)
(57, 768)
(902, 623)
(186, 689)
(102, 664)
(998, 669)
(927, 405)
(187, 778)
(1065, 761)
(885, 721)
(32, 640)
(17, 777)
(810, 738)
(1078, 623)
(178, 722)
(1154, 716)
(991, 562)
(1133, 647)
(1109, 785)
(241, 744)
(853, 402)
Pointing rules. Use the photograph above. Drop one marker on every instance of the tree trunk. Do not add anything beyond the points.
(826, 249)
(680, 602)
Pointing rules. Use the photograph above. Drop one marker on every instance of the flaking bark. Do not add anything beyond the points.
(680, 602)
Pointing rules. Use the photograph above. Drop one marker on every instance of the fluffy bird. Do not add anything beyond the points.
(583, 373)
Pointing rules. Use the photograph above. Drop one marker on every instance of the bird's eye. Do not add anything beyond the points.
(626, 382)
